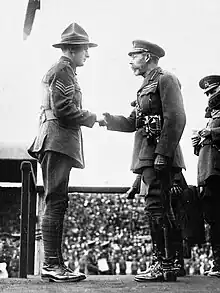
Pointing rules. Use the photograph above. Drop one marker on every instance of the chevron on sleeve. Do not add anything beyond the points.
(66, 90)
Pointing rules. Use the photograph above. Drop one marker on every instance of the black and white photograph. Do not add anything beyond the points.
(110, 146)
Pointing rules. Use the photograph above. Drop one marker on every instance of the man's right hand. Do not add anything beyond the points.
(104, 121)
(195, 140)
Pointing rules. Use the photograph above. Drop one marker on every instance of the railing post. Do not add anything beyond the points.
(25, 180)
(31, 226)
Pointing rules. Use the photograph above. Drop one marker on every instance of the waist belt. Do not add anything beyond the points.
(211, 144)
(47, 115)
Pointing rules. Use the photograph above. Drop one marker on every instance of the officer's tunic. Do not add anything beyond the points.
(62, 115)
(209, 153)
(159, 95)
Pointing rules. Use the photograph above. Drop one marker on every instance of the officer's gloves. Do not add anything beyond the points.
(160, 163)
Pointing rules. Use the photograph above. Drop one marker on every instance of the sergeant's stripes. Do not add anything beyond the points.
(66, 90)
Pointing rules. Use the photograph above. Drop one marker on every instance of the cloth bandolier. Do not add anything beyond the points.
(208, 151)
(158, 120)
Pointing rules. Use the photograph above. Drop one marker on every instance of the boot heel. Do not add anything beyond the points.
(169, 276)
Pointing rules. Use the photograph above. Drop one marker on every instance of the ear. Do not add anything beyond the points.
(147, 57)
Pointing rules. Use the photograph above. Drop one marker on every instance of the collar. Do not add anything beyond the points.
(215, 114)
(151, 76)
(69, 61)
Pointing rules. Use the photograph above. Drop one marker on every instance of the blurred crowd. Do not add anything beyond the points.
(113, 218)
(109, 225)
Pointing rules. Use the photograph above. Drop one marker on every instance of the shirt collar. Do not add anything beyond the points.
(69, 61)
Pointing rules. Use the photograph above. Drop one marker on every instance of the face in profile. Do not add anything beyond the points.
(138, 63)
(80, 56)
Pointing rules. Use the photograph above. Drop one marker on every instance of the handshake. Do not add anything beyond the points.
(104, 120)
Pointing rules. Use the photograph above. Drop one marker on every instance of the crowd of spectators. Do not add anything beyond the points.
(111, 217)
(104, 217)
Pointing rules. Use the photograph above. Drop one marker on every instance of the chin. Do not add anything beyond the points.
(136, 72)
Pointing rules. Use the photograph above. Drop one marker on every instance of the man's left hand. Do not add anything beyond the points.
(205, 132)
(176, 189)
(160, 163)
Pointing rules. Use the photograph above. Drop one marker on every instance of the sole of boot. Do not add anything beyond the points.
(54, 280)
(161, 279)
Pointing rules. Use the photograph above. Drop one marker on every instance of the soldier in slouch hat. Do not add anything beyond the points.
(59, 145)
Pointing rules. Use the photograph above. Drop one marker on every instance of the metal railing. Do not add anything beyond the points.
(28, 220)
(29, 191)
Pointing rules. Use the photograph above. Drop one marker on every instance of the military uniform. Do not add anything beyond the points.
(59, 147)
(159, 95)
(158, 121)
(62, 115)
(208, 150)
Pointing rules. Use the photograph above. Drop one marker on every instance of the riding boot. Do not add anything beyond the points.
(179, 260)
(169, 272)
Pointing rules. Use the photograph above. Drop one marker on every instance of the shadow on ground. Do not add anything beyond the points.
(110, 284)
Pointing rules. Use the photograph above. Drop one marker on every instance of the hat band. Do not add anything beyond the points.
(75, 39)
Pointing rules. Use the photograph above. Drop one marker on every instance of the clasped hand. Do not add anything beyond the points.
(104, 120)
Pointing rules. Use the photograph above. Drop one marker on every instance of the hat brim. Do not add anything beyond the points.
(210, 88)
(136, 51)
(61, 44)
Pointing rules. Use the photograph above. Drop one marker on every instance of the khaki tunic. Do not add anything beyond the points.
(62, 115)
(160, 94)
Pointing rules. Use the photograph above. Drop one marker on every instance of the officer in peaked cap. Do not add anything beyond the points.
(59, 146)
(207, 146)
(209, 82)
(211, 86)
(158, 120)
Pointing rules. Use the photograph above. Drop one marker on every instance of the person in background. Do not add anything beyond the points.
(91, 259)
(122, 265)
(206, 146)
(134, 265)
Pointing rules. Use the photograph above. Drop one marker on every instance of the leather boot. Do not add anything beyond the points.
(155, 267)
(163, 268)
(179, 260)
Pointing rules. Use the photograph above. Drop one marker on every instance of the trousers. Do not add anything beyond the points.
(56, 168)
(210, 206)
(156, 187)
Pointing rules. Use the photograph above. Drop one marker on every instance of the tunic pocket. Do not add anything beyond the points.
(146, 150)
